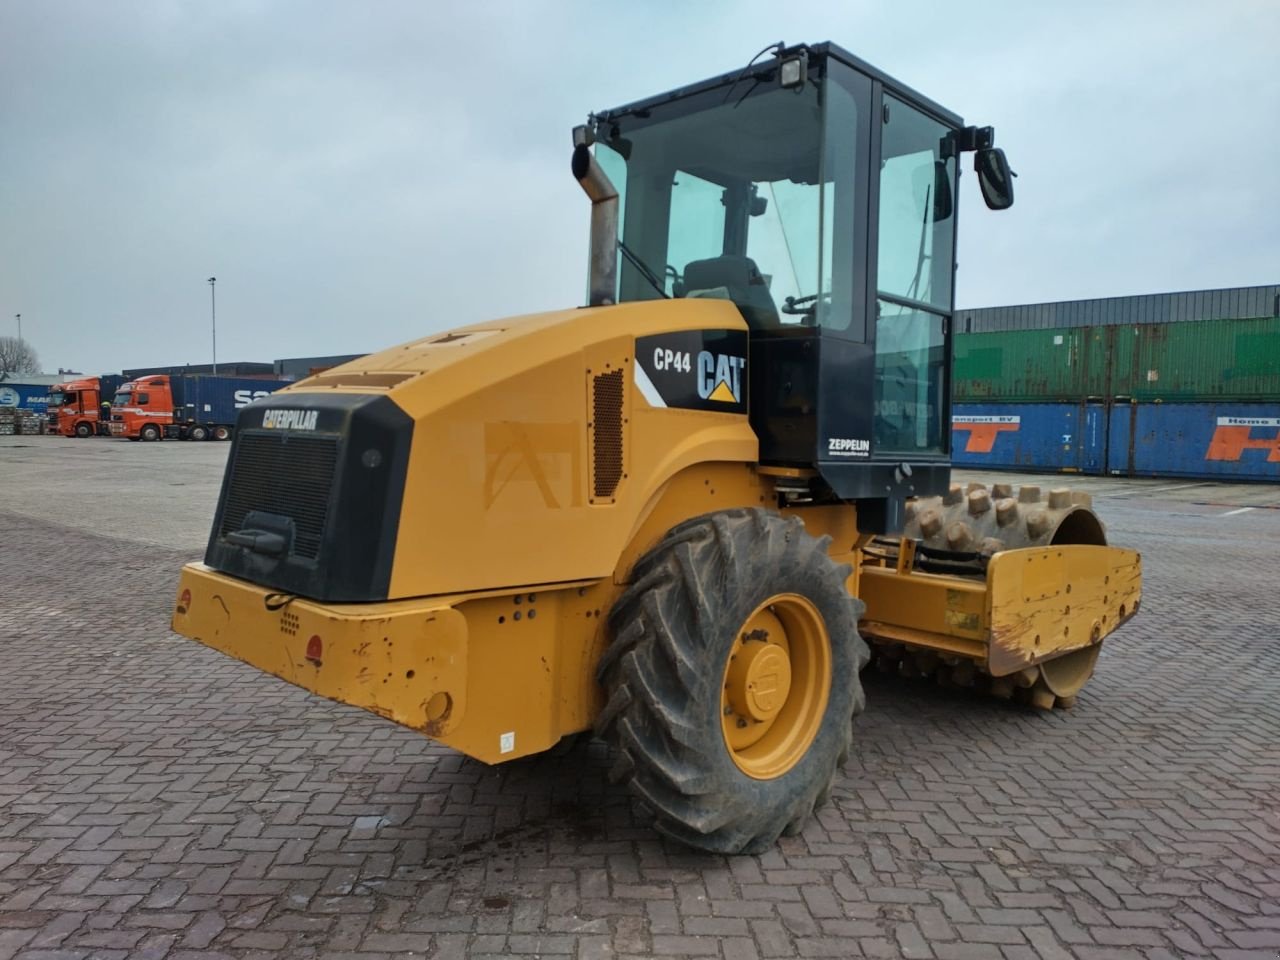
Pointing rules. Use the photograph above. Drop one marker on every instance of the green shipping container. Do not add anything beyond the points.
(1203, 360)
(1199, 360)
(1024, 365)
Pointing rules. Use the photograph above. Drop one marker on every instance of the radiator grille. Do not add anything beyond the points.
(606, 439)
(290, 476)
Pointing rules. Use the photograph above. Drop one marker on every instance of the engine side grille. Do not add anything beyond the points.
(287, 475)
(606, 437)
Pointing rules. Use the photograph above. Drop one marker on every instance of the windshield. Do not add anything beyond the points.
(122, 398)
(726, 202)
(58, 398)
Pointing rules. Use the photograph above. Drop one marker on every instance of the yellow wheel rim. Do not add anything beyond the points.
(776, 684)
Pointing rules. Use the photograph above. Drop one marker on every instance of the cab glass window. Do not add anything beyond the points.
(722, 197)
(914, 269)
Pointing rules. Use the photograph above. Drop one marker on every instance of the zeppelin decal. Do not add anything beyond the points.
(694, 370)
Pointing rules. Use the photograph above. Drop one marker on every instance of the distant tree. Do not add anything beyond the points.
(17, 357)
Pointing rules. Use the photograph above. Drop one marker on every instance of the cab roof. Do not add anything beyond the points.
(765, 68)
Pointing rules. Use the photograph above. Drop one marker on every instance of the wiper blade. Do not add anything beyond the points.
(644, 270)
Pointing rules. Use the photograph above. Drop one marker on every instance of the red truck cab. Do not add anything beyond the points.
(142, 408)
(75, 407)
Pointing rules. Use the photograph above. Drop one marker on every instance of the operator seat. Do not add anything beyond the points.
(738, 279)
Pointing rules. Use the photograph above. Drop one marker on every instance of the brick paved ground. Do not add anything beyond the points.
(159, 800)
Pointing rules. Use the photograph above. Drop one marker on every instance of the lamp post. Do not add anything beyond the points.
(213, 321)
(19, 316)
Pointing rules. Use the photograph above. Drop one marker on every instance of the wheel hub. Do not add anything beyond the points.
(776, 682)
(759, 680)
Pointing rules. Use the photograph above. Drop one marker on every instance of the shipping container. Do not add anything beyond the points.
(1201, 361)
(1060, 437)
(1227, 441)
(1024, 365)
(1213, 360)
(25, 396)
(217, 400)
(1215, 441)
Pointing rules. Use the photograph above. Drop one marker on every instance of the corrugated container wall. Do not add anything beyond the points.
(1023, 365)
(1206, 360)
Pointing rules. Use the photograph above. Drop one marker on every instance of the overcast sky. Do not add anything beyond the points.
(359, 174)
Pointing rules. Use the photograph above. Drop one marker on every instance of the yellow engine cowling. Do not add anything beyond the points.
(504, 485)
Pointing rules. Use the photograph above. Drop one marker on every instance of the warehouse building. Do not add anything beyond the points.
(258, 370)
(1177, 384)
(1232, 303)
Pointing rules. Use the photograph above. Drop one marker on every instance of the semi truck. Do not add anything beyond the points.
(75, 407)
(184, 407)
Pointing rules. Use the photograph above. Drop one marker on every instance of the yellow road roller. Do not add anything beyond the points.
(687, 514)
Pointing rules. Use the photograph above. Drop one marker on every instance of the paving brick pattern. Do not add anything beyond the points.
(158, 800)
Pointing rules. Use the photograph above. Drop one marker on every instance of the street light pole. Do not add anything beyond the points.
(19, 316)
(213, 320)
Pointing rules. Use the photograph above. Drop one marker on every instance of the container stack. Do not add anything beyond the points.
(1192, 398)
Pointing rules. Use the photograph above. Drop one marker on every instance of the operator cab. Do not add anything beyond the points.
(817, 194)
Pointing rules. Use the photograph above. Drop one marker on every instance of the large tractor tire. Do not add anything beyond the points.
(732, 679)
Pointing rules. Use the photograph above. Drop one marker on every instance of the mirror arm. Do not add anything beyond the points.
(967, 140)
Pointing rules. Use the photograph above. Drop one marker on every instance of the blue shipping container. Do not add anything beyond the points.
(28, 396)
(1066, 437)
(204, 399)
(1229, 441)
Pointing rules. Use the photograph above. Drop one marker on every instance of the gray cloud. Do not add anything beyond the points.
(359, 174)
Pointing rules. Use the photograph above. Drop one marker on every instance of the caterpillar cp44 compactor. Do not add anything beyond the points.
(678, 515)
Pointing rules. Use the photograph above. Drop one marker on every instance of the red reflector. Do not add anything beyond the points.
(315, 650)
(186, 598)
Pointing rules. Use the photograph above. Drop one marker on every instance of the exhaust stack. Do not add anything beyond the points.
(603, 277)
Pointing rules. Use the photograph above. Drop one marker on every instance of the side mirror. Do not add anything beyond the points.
(942, 202)
(994, 177)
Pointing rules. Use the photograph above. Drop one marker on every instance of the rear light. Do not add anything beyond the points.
(315, 650)
(184, 601)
